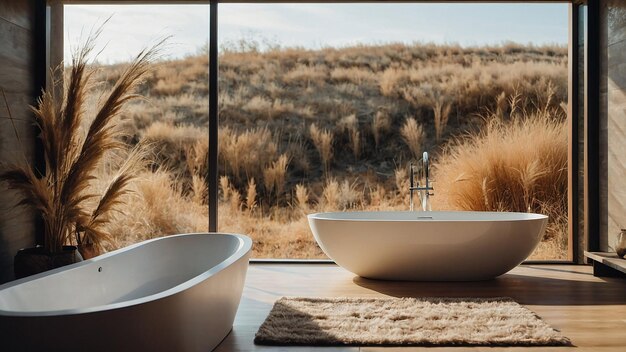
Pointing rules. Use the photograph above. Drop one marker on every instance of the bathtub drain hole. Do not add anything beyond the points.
(100, 269)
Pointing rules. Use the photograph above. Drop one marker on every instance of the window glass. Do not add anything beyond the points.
(323, 107)
(170, 193)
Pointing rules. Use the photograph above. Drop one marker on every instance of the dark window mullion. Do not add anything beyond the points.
(213, 118)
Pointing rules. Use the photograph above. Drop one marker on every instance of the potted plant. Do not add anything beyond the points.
(72, 214)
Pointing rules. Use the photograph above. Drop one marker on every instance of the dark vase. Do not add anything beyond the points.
(34, 260)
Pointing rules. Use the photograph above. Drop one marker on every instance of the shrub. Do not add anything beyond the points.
(519, 165)
(245, 154)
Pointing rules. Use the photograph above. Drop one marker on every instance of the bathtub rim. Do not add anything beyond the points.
(327, 216)
(243, 249)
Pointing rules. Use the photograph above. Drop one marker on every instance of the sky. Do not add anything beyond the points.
(133, 27)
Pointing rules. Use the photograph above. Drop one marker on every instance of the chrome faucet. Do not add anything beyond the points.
(424, 192)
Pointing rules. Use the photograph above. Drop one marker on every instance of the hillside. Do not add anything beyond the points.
(308, 130)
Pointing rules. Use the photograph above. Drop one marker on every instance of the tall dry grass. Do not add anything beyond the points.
(323, 142)
(330, 195)
(159, 208)
(354, 75)
(518, 165)
(275, 176)
(178, 148)
(245, 154)
(339, 115)
(350, 126)
(380, 126)
(413, 135)
(251, 201)
(390, 79)
(305, 75)
(70, 212)
(441, 111)
(302, 197)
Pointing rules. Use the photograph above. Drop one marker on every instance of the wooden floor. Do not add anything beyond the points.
(590, 311)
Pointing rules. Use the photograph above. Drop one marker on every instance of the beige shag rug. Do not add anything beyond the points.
(405, 321)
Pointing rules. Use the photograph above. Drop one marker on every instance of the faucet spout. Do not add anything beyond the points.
(424, 192)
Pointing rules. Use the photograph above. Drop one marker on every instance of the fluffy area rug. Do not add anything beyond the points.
(405, 321)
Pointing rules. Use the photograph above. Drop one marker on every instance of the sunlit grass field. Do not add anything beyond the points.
(305, 131)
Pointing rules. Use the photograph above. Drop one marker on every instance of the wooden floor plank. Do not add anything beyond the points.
(591, 311)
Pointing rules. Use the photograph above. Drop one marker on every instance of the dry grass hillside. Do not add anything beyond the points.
(334, 129)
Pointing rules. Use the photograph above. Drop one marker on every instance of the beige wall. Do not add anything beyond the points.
(17, 80)
(612, 121)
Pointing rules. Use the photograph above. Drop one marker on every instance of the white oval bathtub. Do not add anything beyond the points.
(428, 246)
(176, 293)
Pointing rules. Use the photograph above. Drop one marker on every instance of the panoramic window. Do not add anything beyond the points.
(171, 117)
(324, 106)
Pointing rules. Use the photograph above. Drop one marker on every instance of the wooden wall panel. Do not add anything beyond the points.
(17, 12)
(19, 82)
(613, 121)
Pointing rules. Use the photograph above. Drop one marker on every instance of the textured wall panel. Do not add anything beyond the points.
(17, 80)
(613, 121)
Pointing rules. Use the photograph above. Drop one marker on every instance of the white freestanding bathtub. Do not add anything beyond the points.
(428, 246)
(177, 293)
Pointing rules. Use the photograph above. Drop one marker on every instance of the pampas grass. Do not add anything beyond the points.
(413, 135)
(251, 195)
(350, 125)
(62, 195)
(245, 154)
(158, 209)
(380, 125)
(112, 199)
(268, 101)
(330, 195)
(323, 141)
(274, 176)
(302, 198)
(225, 187)
(518, 165)
(515, 166)
(441, 112)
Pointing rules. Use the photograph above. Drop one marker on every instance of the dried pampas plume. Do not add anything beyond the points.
(62, 194)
